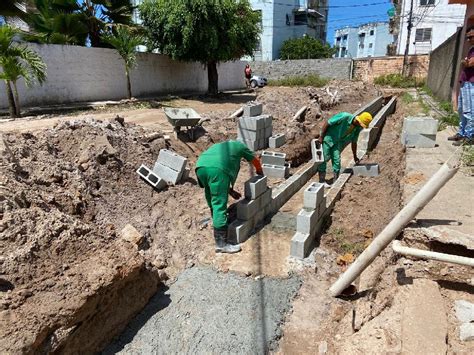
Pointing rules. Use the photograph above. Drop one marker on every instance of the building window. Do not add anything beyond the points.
(423, 35)
(344, 38)
(427, 2)
(301, 19)
(371, 32)
(338, 39)
(371, 45)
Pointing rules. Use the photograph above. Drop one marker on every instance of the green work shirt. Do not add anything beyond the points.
(226, 156)
(341, 131)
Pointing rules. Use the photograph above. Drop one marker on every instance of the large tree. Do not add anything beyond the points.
(206, 31)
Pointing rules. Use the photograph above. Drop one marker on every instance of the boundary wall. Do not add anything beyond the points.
(78, 74)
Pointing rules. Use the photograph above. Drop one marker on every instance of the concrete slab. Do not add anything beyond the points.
(418, 140)
(423, 125)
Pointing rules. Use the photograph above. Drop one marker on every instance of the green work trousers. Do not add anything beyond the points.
(216, 185)
(331, 153)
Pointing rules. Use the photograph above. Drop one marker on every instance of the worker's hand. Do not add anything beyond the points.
(259, 172)
(356, 160)
(235, 195)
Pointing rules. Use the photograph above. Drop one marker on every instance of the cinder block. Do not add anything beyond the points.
(255, 186)
(322, 208)
(317, 151)
(300, 244)
(151, 178)
(366, 170)
(306, 221)
(313, 195)
(252, 123)
(273, 158)
(247, 209)
(259, 134)
(268, 120)
(254, 109)
(423, 125)
(274, 171)
(239, 230)
(268, 131)
(262, 143)
(251, 144)
(277, 140)
(172, 160)
(418, 140)
(167, 174)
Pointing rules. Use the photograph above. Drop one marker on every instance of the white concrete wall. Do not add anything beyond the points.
(444, 19)
(93, 74)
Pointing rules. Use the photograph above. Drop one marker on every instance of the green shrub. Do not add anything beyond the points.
(467, 155)
(305, 48)
(407, 98)
(399, 81)
(308, 80)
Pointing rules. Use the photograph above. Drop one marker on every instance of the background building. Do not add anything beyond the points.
(434, 21)
(368, 40)
(285, 19)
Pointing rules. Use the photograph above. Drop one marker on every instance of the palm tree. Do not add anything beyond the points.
(18, 61)
(125, 41)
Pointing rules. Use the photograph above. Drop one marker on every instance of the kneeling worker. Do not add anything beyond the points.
(336, 133)
(217, 169)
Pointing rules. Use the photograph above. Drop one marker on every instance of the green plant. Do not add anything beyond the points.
(18, 61)
(407, 98)
(467, 155)
(205, 31)
(353, 248)
(399, 81)
(125, 42)
(309, 80)
(305, 47)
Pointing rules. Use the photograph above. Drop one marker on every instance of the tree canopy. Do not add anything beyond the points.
(205, 31)
(305, 47)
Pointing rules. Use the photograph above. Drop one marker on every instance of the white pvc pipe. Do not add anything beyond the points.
(416, 204)
(237, 113)
(299, 113)
(426, 254)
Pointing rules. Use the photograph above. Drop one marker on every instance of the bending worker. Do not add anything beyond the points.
(336, 133)
(217, 169)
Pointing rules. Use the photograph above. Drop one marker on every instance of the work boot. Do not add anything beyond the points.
(456, 137)
(322, 179)
(336, 176)
(222, 246)
(464, 141)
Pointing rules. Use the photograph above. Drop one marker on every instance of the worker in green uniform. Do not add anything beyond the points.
(217, 169)
(336, 133)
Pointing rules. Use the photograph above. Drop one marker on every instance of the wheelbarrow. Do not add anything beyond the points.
(183, 117)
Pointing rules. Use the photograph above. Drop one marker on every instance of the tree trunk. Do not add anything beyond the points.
(11, 99)
(212, 77)
(129, 85)
(17, 99)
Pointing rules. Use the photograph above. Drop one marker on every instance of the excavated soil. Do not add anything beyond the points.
(66, 192)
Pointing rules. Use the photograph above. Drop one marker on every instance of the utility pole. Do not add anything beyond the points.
(407, 48)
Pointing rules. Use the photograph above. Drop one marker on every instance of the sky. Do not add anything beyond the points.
(353, 14)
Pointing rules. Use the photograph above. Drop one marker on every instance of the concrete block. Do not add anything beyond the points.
(257, 135)
(239, 231)
(255, 186)
(317, 151)
(306, 221)
(321, 209)
(251, 144)
(268, 120)
(372, 107)
(169, 175)
(423, 125)
(247, 209)
(464, 311)
(172, 160)
(268, 131)
(251, 110)
(262, 143)
(252, 123)
(366, 170)
(275, 171)
(313, 195)
(273, 158)
(466, 332)
(277, 140)
(151, 178)
(300, 244)
(418, 140)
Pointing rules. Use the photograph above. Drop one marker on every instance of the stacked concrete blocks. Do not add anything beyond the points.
(419, 132)
(150, 177)
(370, 170)
(317, 151)
(308, 220)
(170, 166)
(277, 140)
(252, 109)
(255, 131)
(252, 210)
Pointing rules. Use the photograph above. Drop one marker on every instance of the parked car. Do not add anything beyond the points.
(259, 81)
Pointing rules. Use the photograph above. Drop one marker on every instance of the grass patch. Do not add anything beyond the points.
(399, 81)
(467, 155)
(308, 80)
(407, 98)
